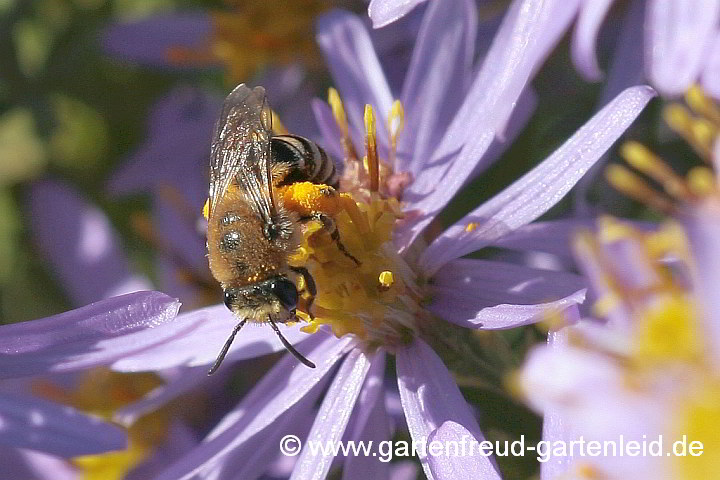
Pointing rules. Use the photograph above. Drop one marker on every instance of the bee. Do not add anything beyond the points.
(251, 233)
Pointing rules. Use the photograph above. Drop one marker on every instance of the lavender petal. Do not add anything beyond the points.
(333, 416)
(384, 12)
(711, 72)
(29, 422)
(281, 388)
(356, 70)
(541, 188)
(477, 293)
(430, 398)
(213, 325)
(97, 334)
(587, 27)
(438, 77)
(677, 34)
(80, 243)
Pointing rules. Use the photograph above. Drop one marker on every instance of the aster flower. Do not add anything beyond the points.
(681, 44)
(650, 371)
(391, 301)
(97, 334)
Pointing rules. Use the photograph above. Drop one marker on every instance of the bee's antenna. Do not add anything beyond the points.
(289, 347)
(226, 347)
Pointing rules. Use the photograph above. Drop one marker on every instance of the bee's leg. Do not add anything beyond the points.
(331, 228)
(309, 286)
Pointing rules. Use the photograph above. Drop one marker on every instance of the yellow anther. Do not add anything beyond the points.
(206, 209)
(610, 230)
(653, 166)
(702, 104)
(386, 279)
(704, 134)
(677, 117)
(396, 119)
(471, 227)
(669, 238)
(701, 181)
(606, 304)
(373, 165)
(633, 186)
(338, 111)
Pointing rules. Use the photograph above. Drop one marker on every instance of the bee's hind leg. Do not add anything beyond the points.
(309, 286)
(331, 228)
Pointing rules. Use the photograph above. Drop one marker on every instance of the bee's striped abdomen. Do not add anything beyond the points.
(306, 160)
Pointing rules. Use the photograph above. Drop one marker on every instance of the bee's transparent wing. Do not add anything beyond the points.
(240, 152)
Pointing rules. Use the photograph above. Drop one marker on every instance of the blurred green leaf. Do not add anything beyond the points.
(80, 137)
(22, 151)
(33, 42)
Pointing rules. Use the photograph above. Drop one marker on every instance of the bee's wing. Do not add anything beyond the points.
(240, 151)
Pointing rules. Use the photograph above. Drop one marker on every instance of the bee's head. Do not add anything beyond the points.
(272, 296)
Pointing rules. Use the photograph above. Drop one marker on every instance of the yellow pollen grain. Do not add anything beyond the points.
(386, 279)
(471, 227)
(373, 165)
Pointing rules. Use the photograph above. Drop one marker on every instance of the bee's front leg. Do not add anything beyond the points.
(310, 287)
(329, 226)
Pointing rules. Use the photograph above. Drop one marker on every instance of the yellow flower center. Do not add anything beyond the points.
(696, 425)
(102, 392)
(255, 34)
(377, 300)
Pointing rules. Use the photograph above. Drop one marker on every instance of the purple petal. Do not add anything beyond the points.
(384, 12)
(702, 228)
(430, 398)
(212, 327)
(29, 422)
(555, 427)
(80, 244)
(97, 334)
(150, 41)
(437, 79)
(475, 293)
(484, 112)
(711, 72)
(371, 424)
(541, 188)
(32, 465)
(550, 237)
(447, 466)
(329, 129)
(356, 70)
(333, 416)
(678, 33)
(587, 27)
(284, 386)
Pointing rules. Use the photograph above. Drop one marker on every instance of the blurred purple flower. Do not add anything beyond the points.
(439, 92)
(80, 244)
(97, 334)
(650, 367)
(681, 44)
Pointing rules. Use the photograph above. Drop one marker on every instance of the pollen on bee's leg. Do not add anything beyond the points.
(371, 158)
(308, 198)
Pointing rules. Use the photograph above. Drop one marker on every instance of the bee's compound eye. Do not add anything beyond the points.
(286, 292)
(229, 297)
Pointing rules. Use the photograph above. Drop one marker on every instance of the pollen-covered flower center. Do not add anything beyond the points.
(364, 288)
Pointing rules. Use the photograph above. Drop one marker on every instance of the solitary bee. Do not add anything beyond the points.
(251, 232)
